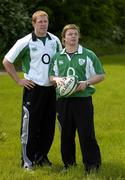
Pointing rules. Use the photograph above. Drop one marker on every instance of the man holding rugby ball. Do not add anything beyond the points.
(75, 112)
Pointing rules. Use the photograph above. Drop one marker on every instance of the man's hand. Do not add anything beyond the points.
(56, 81)
(59, 81)
(26, 83)
(81, 86)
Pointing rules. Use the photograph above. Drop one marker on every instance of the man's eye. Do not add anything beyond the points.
(70, 34)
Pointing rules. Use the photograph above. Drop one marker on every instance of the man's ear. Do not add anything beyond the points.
(33, 24)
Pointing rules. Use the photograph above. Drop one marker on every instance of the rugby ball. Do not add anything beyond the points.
(68, 86)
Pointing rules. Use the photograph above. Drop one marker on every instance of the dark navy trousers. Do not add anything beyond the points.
(38, 123)
(77, 113)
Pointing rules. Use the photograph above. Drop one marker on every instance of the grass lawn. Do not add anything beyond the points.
(109, 101)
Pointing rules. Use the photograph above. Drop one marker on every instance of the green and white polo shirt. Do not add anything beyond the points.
(35, 56)
(83, 64)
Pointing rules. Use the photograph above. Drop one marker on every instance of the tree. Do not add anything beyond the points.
(14, 22)
(98, 19)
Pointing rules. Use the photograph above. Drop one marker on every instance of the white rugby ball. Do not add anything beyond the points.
(68, 86)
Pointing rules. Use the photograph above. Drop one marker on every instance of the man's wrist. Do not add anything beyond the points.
(88, 83)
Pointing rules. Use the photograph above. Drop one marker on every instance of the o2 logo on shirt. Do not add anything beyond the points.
(71, 72)
(45, 58)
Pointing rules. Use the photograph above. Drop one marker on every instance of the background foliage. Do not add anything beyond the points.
(98, 19)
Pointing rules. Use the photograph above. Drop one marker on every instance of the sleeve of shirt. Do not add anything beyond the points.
(59, 45)
(16, 50)
(95, 64)
(53, 70)
(98, 65)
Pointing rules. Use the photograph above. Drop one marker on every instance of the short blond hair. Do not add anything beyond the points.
(67, 27)
(39, 13)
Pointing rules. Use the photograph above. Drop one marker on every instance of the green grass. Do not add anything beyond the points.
(109, 101)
